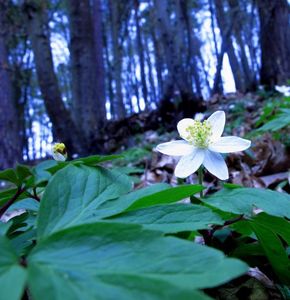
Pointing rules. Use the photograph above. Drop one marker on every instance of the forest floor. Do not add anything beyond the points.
(266, 164)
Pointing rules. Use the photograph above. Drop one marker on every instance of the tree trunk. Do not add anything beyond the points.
(86, 49)
(100, 62)
(140, 52)
(119, 109)
(275, 42)
(10, 147)
(226, 27)
(64, 128)
(249, 80)
(176, 75)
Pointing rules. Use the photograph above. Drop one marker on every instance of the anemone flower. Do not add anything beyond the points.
(201, 145)
(58, 152)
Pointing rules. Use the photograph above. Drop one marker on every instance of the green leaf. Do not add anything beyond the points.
(278, 225)
(27, 204)
(22, 172)
(280, 121)
(41, 173)
(16, 176)
(96, 159)
(88, 161)
(4, 227)
(8, 194)
(171, 218)
(73, 195)
(116, 206)
(243, 200)
(12, 275)
(245, 250)
(10, 176)
(167, 196)
(274, 250)
(124, 261)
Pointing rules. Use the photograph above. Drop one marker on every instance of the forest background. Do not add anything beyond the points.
(93, 73)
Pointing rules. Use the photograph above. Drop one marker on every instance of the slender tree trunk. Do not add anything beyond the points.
(109, 82)
(248, 74)
(275, 42)
(158, 59)
(64, 128)
(140, 49)
(226, 28)
(100, 62)
(193, 47)
(87, 63)
(176, 76)
(117, 54)
(212, 25)
(10, 144)
(150, 73)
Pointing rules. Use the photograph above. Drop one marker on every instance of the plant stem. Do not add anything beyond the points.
(200, 179)
(11, 201)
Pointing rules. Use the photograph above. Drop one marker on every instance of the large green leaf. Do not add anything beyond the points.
(74, 193)
(96, 159)
(111, 260)
(274, 250)
(159, 193)
(170, 195)
(116, 206)
(41, 173)
(12, 275)
(280, 121)
(279, 225)
(268, 229)
(244, 200)
(171, 218)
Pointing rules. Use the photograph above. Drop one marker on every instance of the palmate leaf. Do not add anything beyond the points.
(80, 194)
(74, 193)
(171, 218)
(244, 200)
(12, 275)
(111, 260)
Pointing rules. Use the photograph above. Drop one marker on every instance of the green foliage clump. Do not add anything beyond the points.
(275, 118)
(82, 232)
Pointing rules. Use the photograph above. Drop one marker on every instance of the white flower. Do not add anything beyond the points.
(283, 89)
(58, 152)
(202, 144)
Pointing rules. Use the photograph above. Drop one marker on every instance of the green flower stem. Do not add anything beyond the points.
(200, 179)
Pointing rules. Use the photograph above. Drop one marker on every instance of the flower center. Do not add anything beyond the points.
(59, 148)
(199, 134)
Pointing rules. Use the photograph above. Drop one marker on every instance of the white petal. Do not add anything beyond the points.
(183, 125)
(58, 156)
(175, 148)
(230, 144)
(217, 121)
(216, 165)
(189, 164)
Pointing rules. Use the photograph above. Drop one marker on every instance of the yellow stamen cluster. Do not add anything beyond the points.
(199, 134)
(59, 148)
